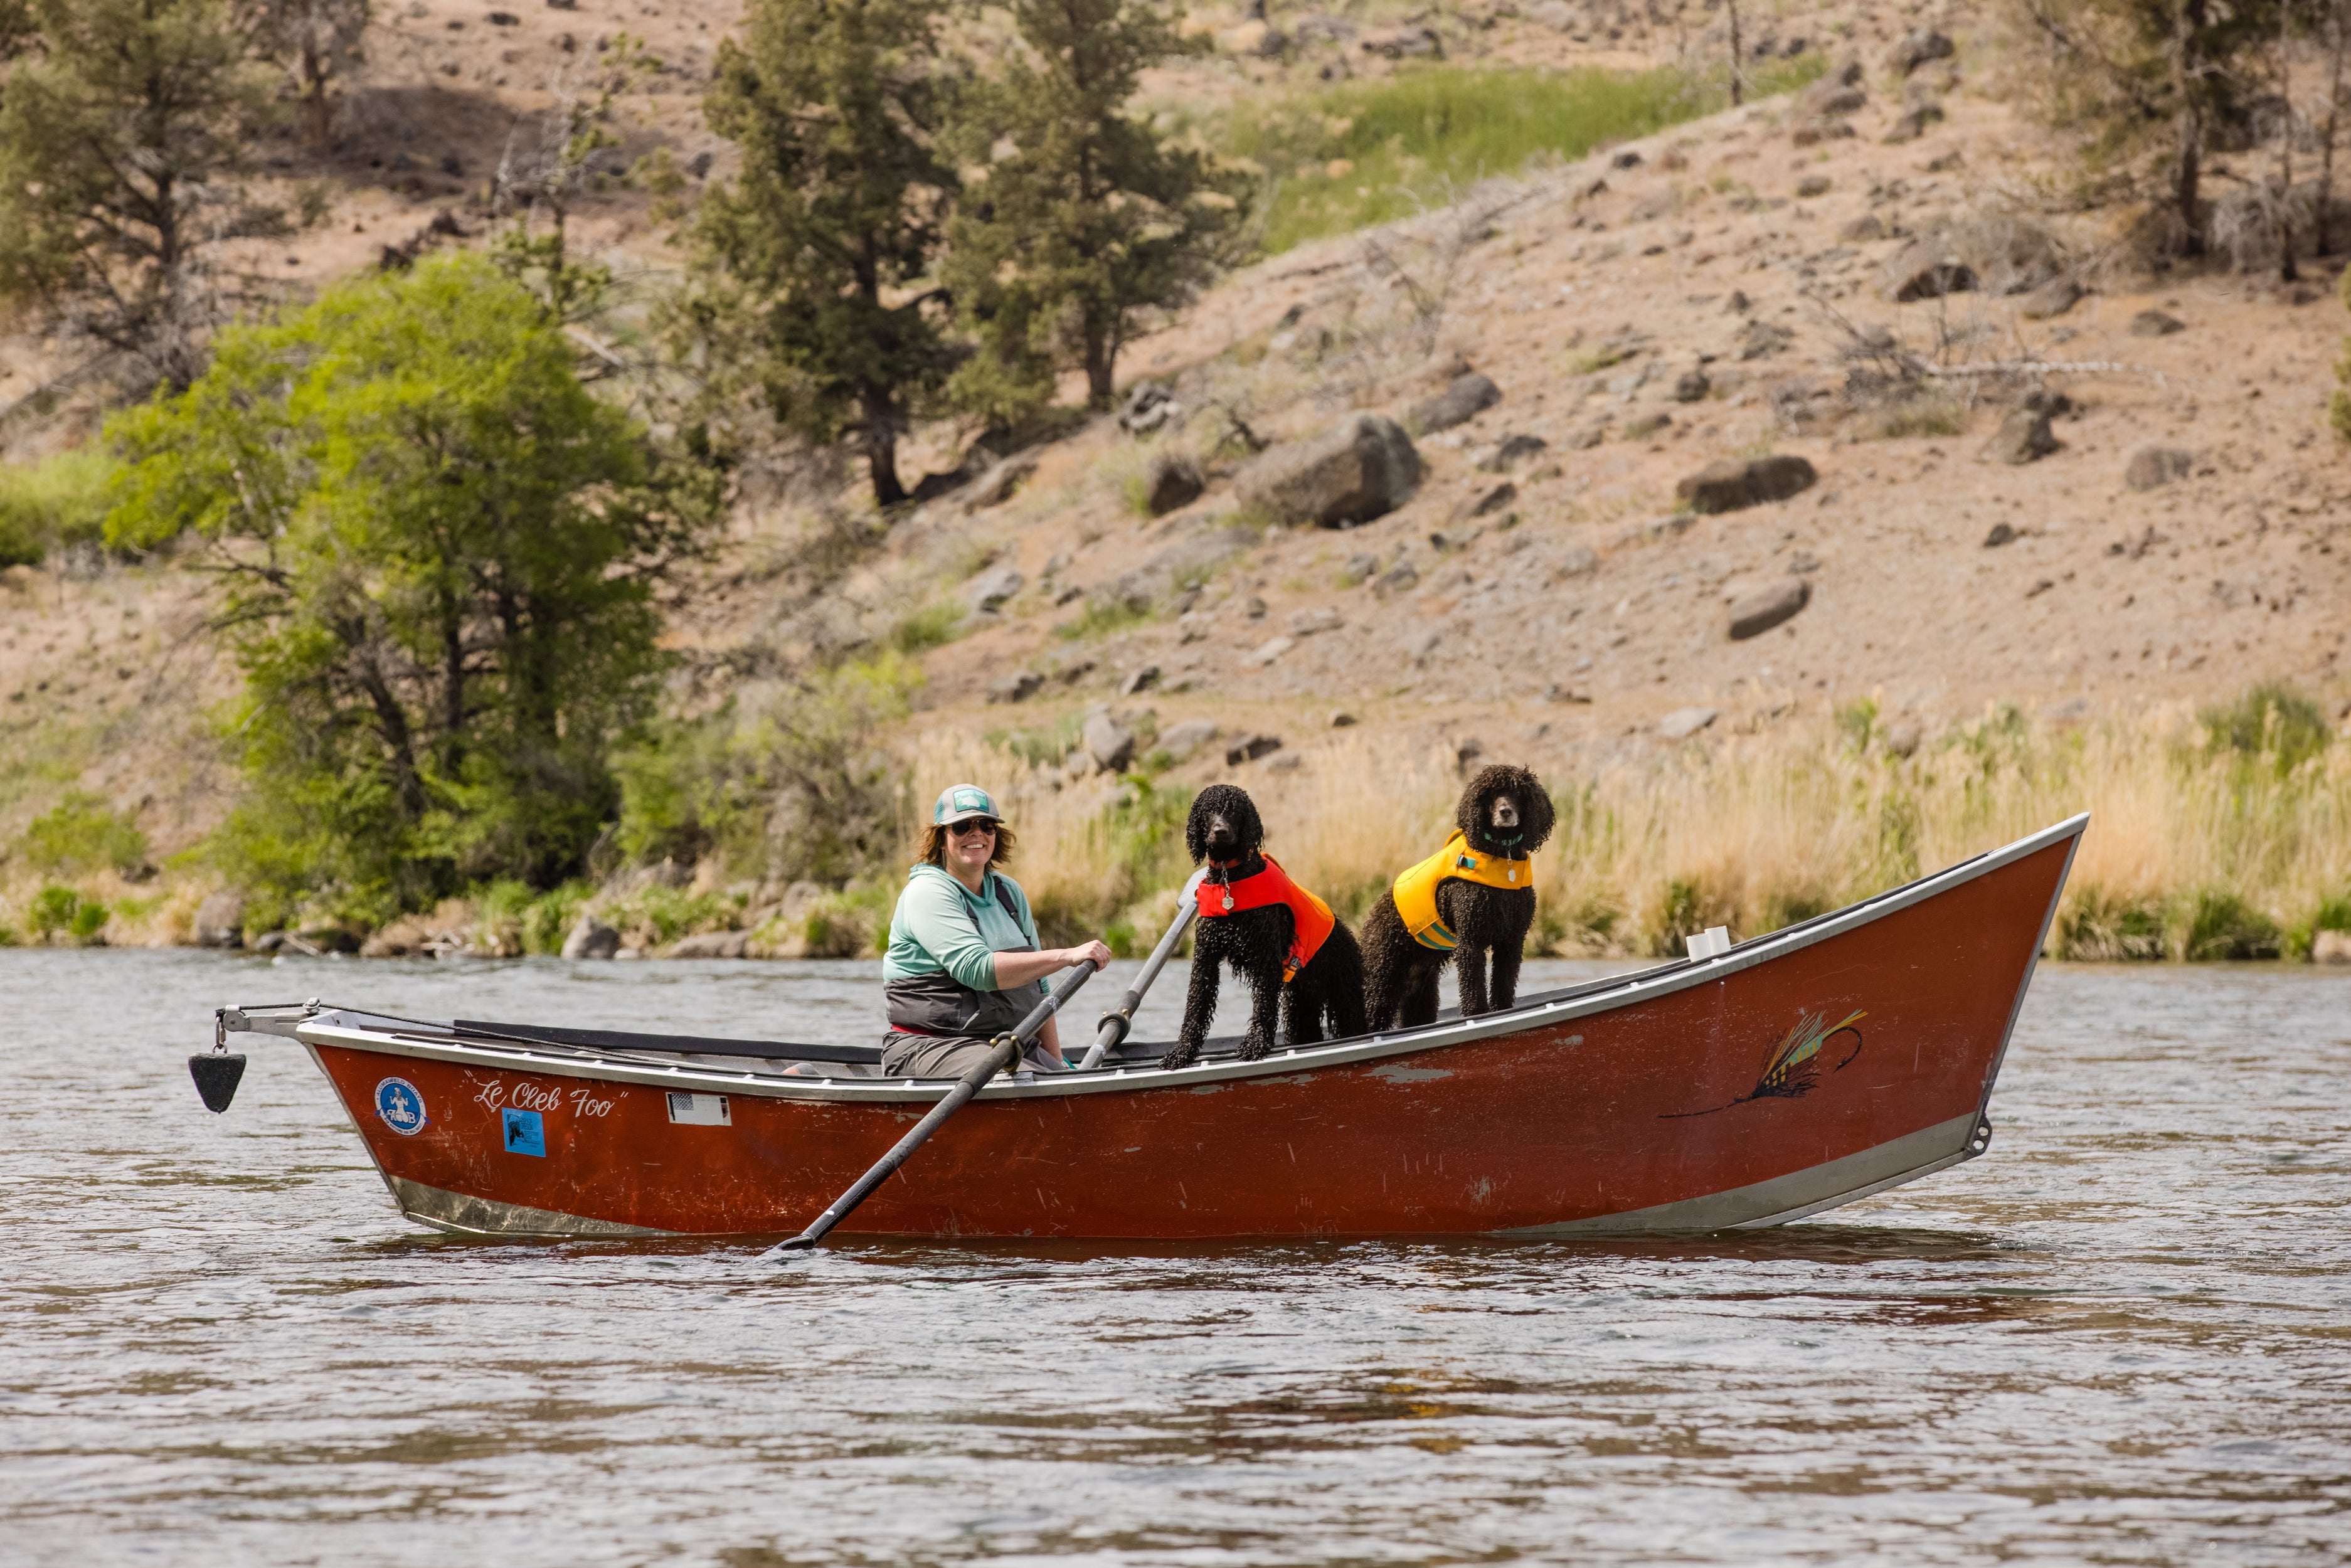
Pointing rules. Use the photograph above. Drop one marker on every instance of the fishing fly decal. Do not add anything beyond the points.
(1791, 1068)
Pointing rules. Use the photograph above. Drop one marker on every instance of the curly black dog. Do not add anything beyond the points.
(1504, 812)
(1223, 832)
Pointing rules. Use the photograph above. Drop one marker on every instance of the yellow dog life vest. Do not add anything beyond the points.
(1415, 890)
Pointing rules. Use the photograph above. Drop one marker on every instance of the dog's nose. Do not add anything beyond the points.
(1506, 813)
(1220, 829)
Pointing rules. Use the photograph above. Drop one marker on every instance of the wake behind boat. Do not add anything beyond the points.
(1783, 1076)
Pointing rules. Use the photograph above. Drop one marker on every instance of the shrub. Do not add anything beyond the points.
(2101, 929)
(2271, 720)
(60, 501)
(81, 835)
(58, 908)
(2223, 925)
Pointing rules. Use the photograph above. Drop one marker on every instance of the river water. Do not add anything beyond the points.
(2122, 1336)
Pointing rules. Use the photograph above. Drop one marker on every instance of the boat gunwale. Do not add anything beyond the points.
(1644, 985)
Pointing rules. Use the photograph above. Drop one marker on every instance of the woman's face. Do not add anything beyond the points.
(970, 845)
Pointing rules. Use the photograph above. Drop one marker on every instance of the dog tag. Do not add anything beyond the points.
(1229, 901)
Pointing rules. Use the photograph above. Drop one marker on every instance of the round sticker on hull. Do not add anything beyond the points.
(400, 1106)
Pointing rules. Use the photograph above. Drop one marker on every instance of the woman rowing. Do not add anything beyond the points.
(964, 966)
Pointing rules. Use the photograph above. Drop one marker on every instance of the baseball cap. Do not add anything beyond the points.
(961, 802)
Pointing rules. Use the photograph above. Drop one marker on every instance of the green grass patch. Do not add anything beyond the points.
(60, 500)
(933, 625)
(81, 833)
(1100, 620)
(1346, 157)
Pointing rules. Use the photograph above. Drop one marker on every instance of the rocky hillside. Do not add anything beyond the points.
(1702, 435)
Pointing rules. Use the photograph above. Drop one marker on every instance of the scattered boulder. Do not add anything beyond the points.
(1866, 229)
(2024, 436)
(1141, 680)
(1506, 453)
(1556, 15)
(220, 920)
(1362, 470)
(1578, 561)
(1249, 748)
(1831, 95)
(1342, 719)
(995, 487)
(1109, 742)
(1916, 49)
(710, 944)
(1311, 623)
(1188, 738)
(1400, 578)
(2330, 947)
(2151, 468)
(1405, 43)
(591, 939)
(1147, 408)
(1267, 651)
(1585, 437)
(2156, 324)
(1015, 686)
(1813, 185)
(1759, 338)
(1643, 426)
(1491, 501)
(399, 939)
(1463, 400)
(2051, 299)
(2000, 533)
(1171, 481)
(992, 590)
(1730, 484)
(1692, 387)
(1912, 123)
(1759, 611)
(1685, 721)
(1927, 268)
(1904, 738)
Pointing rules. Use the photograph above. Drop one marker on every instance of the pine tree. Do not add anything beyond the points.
(2151, 82)
(820, 249)
(120, 148)
(1087, 218)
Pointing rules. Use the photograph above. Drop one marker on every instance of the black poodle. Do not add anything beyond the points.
(1255, 939)
(1505, 814)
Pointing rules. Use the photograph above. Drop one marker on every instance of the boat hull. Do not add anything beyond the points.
(1783, 1079)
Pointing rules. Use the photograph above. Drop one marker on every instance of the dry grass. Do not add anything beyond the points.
(2195, 850)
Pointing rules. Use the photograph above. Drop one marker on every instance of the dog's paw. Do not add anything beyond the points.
(1180, 1056)
(1256, 1048)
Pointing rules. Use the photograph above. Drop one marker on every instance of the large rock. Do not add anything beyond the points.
(1171, 481)
(1759, 611)
(1464, 400)
(591, 939)
(1187, 738)
(1916, 49)
(2051, 299)
(1249, 748)
(2151, 468)
(711, 944)
(220, 920)
(995, 487)
(1148, 407)
(993, 591)
(2330, 947)
(1685, 721)
(1110, 743)
(2156, 324)
(2024, 436)
(1362, 470)
(1929, 268)
(1730, 485)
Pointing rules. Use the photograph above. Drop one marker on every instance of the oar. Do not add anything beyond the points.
(1006, 1050)
(1121, 1019)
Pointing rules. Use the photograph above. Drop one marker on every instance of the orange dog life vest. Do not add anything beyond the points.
(1311, 915)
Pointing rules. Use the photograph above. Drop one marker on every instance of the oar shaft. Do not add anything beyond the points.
(1119, 1020)
(1001, 1056)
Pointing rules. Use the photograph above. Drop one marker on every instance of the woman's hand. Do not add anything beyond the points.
(1020, 969)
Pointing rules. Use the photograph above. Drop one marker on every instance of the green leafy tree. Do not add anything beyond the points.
(122, 145)
(2150, 83)
(1086, 218)
(436, 551)
(815, 260)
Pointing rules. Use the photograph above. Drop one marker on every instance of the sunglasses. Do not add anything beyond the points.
(980, 825)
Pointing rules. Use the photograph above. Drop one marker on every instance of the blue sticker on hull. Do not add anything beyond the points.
(400, 1106)
(525, 1133)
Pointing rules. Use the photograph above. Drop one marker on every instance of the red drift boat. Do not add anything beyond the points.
(1781, 1077)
